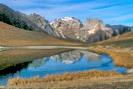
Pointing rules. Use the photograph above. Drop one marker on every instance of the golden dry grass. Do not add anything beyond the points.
(120, 48)
(64, 77)
(12, 36)
(124, 40)
(127, 35)
(120, 58)
(116, 82)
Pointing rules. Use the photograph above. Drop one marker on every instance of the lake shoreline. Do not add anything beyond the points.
(120, 56)
(42, 47)
(10, 58)
(99, 51)
(65, 48)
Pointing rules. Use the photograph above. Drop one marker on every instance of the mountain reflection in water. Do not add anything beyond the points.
(67, 58)
(73, 61)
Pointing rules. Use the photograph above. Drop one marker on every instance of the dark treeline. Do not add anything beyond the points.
(115, 33)
(13, 21)
(121, 31)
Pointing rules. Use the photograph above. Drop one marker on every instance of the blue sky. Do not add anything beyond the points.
(110, 11)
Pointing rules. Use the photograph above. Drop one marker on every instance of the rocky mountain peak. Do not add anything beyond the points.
(67, 27)
(93, 23)
(70, 27)
(96, 24)
(68, 18)
(93, 29)
(42, 23)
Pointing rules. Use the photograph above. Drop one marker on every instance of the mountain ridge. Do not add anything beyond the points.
(13, 36)
(68, 27)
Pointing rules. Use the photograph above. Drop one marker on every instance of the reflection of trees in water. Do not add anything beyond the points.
(10, 75)
(13, 69)
(10, 71)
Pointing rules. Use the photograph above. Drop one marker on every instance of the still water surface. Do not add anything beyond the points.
(74, 61)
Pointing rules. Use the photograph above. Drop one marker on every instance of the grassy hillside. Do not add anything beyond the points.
(125, 40)
(120, 48)
(12, 36)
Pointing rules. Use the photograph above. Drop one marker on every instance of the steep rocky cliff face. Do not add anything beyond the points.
(42, 23)
(92, 30)
(66, 27)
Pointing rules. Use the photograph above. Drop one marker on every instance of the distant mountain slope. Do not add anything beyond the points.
(120, 29)
(125, 40)
(21, 20)
(12, 36)
(14, 18)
